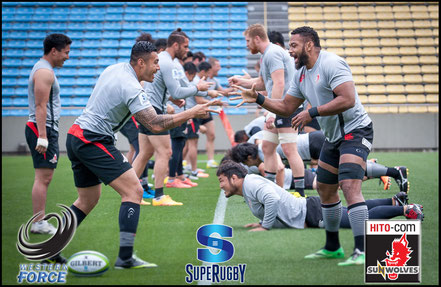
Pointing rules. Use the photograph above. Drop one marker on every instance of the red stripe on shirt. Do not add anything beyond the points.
(76, 131)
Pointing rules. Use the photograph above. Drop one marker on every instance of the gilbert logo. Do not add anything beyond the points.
(393, 251)
(55, 244)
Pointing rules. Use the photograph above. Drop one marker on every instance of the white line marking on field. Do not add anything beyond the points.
(219, 216)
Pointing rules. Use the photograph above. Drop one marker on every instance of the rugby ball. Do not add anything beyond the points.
(88, 263)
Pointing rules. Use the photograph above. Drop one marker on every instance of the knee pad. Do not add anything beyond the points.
(271, 137)
(287, 138)
(350, 170)
(327, 177)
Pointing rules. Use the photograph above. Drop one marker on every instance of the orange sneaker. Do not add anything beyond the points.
(203, 174)
(177, 183)
(143, 202)
(165, 200)
(385, 180)
(189, 182)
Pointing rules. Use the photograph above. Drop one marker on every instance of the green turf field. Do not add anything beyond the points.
(167, 235)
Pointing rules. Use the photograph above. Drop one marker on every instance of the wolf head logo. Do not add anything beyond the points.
(399, 255)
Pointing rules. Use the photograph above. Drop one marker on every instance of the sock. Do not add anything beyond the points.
(392, 172)
(371, 203)
(128, 223)
(159, 192)
(299, 185)
(375, 170)
(270, 175)
(357, 214)
(78, 213)
(331, 220)
(385, 212)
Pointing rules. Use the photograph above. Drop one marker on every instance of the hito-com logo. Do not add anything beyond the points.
(218, 250)
(393, 251)
(46, 272)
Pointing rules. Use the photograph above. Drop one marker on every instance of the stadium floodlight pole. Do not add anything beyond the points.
(265, 17)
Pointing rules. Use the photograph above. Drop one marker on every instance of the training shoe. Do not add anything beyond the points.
(189, 182)
(212, 164)
(414, 211)
(326, 254)
(402, 181)
(177, 183)
(55, 259)
(203, 174)
(133, 263)
(165, 200)
(143, 202)
(356, 258)
(193, 177)
(43, 227)
(401, 198)
(385, 180)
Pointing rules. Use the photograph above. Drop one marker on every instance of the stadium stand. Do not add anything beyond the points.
(392, 48)
(103, 34)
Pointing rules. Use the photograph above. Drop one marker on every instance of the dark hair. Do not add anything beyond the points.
(276, 38)
(190, 68)
(177, 36)
(308, 32)
(199, 55)
(145, 37)
(240, 136)
(141, 49)
(57, 41)
(241, 152)
(161, 44)
(229, 167)
(204, 66)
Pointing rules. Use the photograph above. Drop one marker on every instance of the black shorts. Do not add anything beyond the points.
(146, 131)
(130, 131)
(94, 157)
(313, 211)
(357, 142)
(50, 158)
(282, 122)
(316, 140)
(193, 129)
(179, 132)
(314, 124)
(206, 120)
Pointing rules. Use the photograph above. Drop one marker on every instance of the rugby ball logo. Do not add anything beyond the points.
(88, 263)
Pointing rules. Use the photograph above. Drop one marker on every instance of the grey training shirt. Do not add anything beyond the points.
(316, 86)
(273, 205)
(53, 106)
(276, 58)
(116, 97)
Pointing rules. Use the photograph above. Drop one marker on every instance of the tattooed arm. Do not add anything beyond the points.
(158, 123)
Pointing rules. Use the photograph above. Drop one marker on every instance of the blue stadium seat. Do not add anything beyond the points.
(12, 53)
(57, 26)
(57, 18)
(18, 112)
(21, 92)
(76, 25)
(238, 43)
(220, 43)
(79, 101)
(37, 35)
(104, 62)
(116, 26)
(75, 35)
(66, 81)
(239, 3)
(115, 10)
(65, 112)
(166, 26)
(78, 10)
(128, 43)
(83, 91)
(198, 44)
(129, 34)
(164, 4)
(43, 10)
(202, 25)
(131, 26)
(90, 43)
(219, 34)
(32, 44)
(202, 35)
(223, 72)
(7, 92)
(185, 10)
(65, 101)
(92, 34)
(8, 17)
(165, 34)
(61, 10)
(202, 11)
(25, 10)
(72, 62)
(8, 10)
(99, 3)
(76, 18)
(24, 72)
(238, 17)
(85, 81)
(236, 111)
(32, 52)
(220, 17)
(239, 10)
(167, 10)
(94, 26)
(235, 61)
(88, 52)
(94, 17)
(67, 91)
(184, 17)
(107, 43)
(20, 102)
(200, 4)
(11, 62)
(124, 52)
(113, 17)
(30, 62)
(116, 35)
(219, 25)
(88, 62)
(187, 4)
(149, 10)
(235, 71)
(219, 53)
(167, 17)
(185, 26)
(236, 35)
(6, 101)
(10, 3)
(95, 10)
(221, 10)
(66, 72)
(237, 26)
(108, 52)
(88, 72)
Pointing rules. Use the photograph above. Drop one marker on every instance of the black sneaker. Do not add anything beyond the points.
(414, 211)
(402, 181)
(132, 263)
(401, 198)
(55, 259)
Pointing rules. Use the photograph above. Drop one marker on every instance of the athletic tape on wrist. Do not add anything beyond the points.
(42, 142)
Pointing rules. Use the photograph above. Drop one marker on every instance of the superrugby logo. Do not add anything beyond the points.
(398, 258)
(54, 245)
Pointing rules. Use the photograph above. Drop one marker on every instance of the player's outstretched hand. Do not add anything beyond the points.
(203, 85)
(202, 110)
(247, 95)
(252, 225)
(214, 94)
(258, 229)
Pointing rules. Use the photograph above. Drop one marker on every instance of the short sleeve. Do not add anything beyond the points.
(294, 90)
(338, 73)
(139, 102)
(274, 62)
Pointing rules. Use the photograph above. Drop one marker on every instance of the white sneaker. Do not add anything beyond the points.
(43, 227)
(192, 177)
